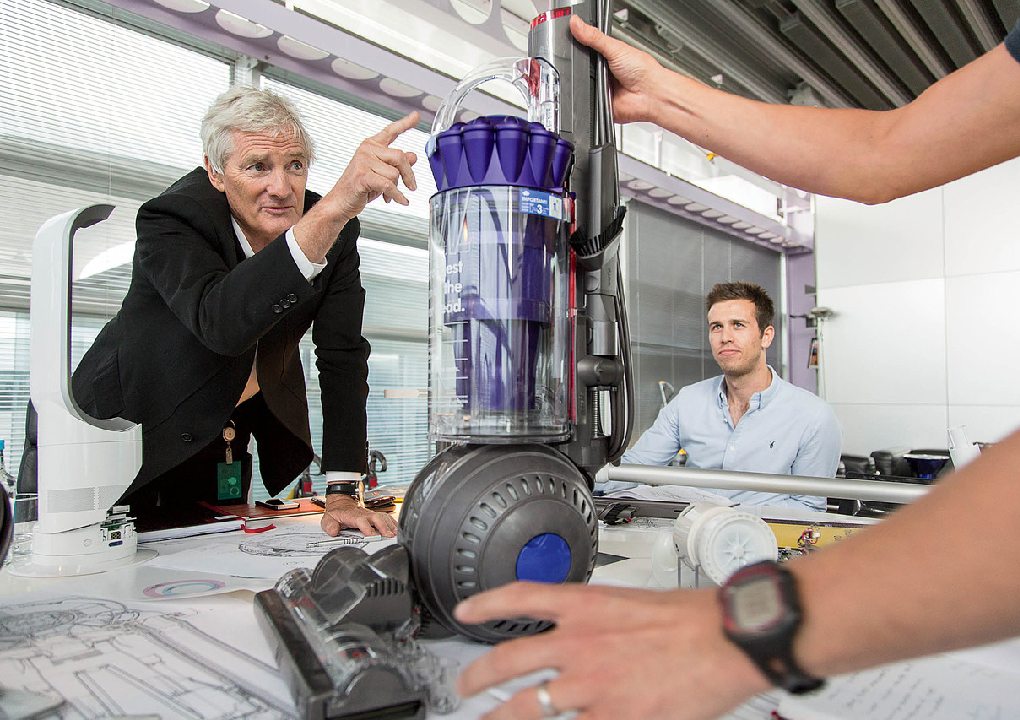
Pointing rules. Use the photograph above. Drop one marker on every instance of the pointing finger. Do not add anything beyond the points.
(392, 131)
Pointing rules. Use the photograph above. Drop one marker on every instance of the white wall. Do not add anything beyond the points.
(926, 291)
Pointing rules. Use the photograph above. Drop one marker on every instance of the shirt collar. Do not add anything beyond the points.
(720, 391)
(766, 395)
(758, 400)
(245, 245)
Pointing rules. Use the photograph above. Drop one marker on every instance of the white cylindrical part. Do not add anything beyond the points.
(85, 464)
(665, 560)
(81, 478)
(720, 540)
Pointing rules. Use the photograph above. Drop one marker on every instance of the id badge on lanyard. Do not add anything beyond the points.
(229, 474)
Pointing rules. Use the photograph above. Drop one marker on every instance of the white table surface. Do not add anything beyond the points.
(201, 615)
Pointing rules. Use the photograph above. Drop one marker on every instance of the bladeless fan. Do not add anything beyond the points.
(85, 464)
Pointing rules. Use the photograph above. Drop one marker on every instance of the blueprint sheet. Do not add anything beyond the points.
(173, 638)
(205, 659)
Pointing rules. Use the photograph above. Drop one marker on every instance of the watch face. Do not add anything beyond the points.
(756, 605)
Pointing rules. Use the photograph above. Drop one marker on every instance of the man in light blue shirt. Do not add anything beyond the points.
(747, 419)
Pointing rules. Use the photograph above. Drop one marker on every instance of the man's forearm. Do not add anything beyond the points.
(909, 586)
(801, 147)
(856, 154)
(316, 232)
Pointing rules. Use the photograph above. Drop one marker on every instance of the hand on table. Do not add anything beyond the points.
(619, 652)
(343, 513)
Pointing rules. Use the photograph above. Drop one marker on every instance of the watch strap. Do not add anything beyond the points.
(342, 487)
(784, 672)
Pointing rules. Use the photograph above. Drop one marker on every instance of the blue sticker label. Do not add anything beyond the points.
(536, 202)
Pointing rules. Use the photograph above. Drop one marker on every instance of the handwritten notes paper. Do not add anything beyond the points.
(935, 688)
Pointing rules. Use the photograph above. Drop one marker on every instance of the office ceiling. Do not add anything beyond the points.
(403, 55)
(875, 54)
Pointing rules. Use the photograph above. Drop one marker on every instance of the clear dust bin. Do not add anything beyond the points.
(498, 294)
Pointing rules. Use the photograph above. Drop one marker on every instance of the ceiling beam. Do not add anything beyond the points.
(914, 37)
(753, 30)
(980, 24)
(1009, 12)
(813, 44)
(834, 31)
(671, 26)
(942, 18)
(880, 35)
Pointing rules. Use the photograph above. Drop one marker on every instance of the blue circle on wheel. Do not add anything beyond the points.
(546, 558)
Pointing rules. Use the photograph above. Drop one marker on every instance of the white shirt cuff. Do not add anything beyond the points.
(341, 475)
(308, 268)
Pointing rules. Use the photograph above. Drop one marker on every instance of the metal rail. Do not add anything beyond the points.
(793, 484)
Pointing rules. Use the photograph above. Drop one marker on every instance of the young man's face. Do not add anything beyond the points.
(264, 181)
(738, 346)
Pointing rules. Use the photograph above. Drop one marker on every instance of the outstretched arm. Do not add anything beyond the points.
(936, 576)
(963, 123)
(375, 170)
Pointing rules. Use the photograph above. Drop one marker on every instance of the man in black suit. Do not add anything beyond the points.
(233, 263)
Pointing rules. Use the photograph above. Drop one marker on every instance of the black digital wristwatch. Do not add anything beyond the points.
(761, 616)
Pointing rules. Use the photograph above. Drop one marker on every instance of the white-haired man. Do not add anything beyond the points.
(233, 263)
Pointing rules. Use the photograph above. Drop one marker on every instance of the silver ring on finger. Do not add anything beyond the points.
(545, 701)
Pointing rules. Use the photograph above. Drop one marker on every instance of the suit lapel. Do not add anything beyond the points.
(226, 239)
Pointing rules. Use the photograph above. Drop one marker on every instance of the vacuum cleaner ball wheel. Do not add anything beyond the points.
(481, 516)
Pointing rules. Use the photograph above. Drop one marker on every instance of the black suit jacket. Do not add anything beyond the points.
(177, 355)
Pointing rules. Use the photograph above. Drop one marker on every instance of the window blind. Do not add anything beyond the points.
(90, 112)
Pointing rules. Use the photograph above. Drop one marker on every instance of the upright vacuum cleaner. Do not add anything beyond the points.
(529, 387)
(528, 344)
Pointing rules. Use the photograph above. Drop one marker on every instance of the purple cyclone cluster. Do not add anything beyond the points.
(500, 150)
